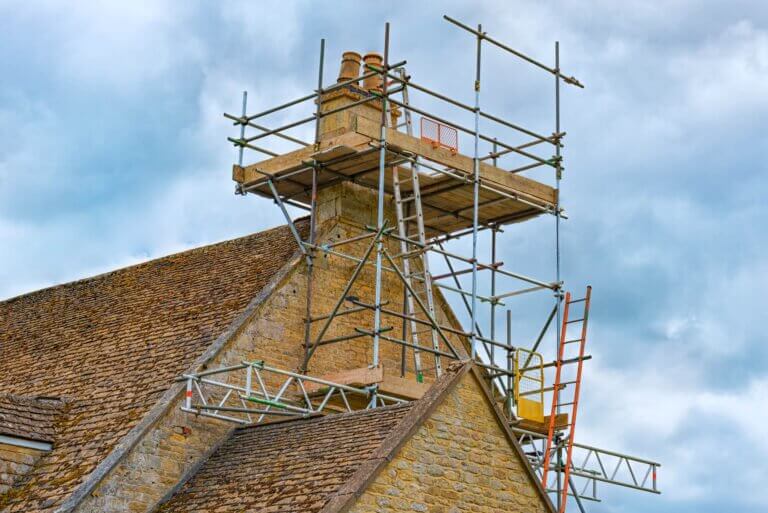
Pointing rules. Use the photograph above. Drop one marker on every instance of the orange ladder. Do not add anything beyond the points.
(560, 385)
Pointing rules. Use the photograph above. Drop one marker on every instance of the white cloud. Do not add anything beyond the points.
(725, 76)
(272, 25)
(666, 83)
(27, 131)
(117, 47)
(663, 408)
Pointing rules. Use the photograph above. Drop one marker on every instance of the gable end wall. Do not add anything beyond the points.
(171, 449)
(458, 460)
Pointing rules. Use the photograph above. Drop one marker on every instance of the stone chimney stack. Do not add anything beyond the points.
(351, 67)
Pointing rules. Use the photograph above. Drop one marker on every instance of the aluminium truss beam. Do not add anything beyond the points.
(591, 463)
(217, 397)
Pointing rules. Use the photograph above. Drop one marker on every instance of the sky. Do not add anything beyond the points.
(113, 151)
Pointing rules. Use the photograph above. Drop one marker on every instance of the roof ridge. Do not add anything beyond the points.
(143, 263)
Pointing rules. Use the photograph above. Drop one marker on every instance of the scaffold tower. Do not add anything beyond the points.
(442, 194)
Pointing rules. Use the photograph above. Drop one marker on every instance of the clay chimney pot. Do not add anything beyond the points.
(350, 66)
(373, 59)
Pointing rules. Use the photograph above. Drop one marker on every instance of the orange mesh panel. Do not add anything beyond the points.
(439, 135)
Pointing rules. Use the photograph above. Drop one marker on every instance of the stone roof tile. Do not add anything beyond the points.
(290, 466)
(114, 343)
(33, 418)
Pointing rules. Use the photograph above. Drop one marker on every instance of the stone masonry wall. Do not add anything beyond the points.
(15, 462)
(459, 460)
(278, 334)
(275, 333)
(174, 445)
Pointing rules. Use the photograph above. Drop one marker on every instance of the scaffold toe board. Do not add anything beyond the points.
(445, 177)
(561, 421)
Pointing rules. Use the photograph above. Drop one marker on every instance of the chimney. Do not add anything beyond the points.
(374, 82)
(350, 67)
(341, 121)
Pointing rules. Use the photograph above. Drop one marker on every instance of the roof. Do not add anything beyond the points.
(293, 466)
(33, 418)
(320, 464)
(114, 343)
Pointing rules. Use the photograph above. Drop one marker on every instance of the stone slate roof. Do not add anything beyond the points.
(33, 418)
(114, 343)
(290, 466)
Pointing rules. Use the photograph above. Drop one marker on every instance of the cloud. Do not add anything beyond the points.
(113, 150)
(724, 77)
(119, 47)
(25, 125)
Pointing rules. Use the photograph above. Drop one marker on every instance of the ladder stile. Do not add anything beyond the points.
(572, 405)
(402, 230)
(414, 257)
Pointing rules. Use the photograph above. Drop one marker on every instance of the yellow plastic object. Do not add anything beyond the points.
(529, 385)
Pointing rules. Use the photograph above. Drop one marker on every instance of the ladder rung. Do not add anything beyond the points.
(575, 320)
(407, 200)
(565, 404)
(572, 341)
(410, 218)
(576, 300)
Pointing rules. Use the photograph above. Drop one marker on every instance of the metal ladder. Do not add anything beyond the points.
(413, 250)
(566, 347)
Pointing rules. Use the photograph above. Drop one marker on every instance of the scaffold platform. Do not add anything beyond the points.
(445, 177)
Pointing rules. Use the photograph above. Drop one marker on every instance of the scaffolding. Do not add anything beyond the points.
(440, 196)
(261, 398)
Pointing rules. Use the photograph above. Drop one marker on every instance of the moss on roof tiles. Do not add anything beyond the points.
(130, 331)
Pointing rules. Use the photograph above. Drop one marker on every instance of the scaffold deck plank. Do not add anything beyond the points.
(445, 177)
(389, 383)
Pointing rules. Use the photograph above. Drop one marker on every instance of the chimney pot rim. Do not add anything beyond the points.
(350, 53)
